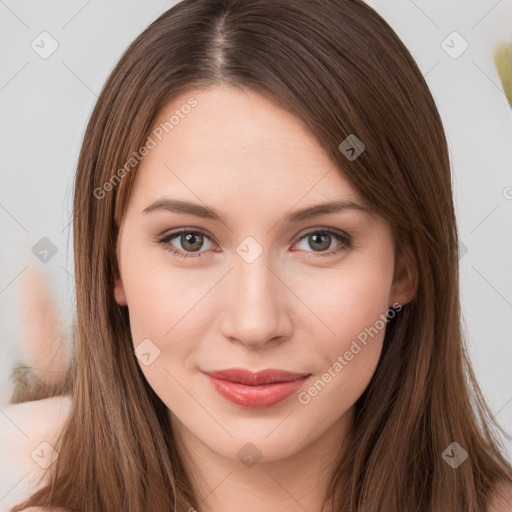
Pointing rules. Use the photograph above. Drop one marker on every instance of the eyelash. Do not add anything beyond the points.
(344, 239)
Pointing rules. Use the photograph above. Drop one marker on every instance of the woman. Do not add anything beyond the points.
(267, 278)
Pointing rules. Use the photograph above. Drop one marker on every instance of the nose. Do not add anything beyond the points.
(255, 305)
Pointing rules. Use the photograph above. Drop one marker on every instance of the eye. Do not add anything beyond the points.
(321, 239)
(189, 241)
(192, 240)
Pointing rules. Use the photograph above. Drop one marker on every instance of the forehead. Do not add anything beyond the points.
(237, 143)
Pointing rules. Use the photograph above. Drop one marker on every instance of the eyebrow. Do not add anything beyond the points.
(186, 207)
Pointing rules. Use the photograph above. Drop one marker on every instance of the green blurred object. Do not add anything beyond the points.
(503, 61)
(19, 376)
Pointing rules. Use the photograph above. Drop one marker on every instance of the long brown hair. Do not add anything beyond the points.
(341, 69)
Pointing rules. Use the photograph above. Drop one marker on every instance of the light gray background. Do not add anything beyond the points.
(45, 105)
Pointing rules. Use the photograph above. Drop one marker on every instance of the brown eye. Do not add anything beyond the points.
(189, 242)
(320, 241)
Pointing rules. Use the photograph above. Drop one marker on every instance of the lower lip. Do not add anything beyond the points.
(256, 397)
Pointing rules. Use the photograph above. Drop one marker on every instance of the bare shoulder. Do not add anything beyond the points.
(39, 418)
(30, 432)
(502, 501)
(30, 429)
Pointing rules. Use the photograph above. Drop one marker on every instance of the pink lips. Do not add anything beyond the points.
(256, 390)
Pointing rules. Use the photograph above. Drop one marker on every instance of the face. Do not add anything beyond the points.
(232, 277)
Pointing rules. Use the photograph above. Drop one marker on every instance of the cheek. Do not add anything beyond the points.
(160, 303)
(157, 294)
(168, 307)
(163, 317)
(348, 299)
(350, 308)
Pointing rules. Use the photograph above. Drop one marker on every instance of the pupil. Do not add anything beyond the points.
(190, 240)
(316, 237)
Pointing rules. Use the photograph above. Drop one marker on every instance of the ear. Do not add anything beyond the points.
(405, 279)
(119, 292)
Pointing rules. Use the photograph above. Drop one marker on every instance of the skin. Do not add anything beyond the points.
(292, 308)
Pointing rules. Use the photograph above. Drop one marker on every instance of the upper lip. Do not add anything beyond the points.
(268, 376)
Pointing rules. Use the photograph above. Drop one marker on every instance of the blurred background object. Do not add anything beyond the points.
(47, 349)
(503, 61)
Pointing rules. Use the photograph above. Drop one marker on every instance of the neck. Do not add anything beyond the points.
(297, 482)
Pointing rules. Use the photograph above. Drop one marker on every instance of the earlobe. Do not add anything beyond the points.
(119, 293)
(405, 281)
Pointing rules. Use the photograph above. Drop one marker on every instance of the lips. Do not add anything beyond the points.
(270, 376)
(256, 389)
